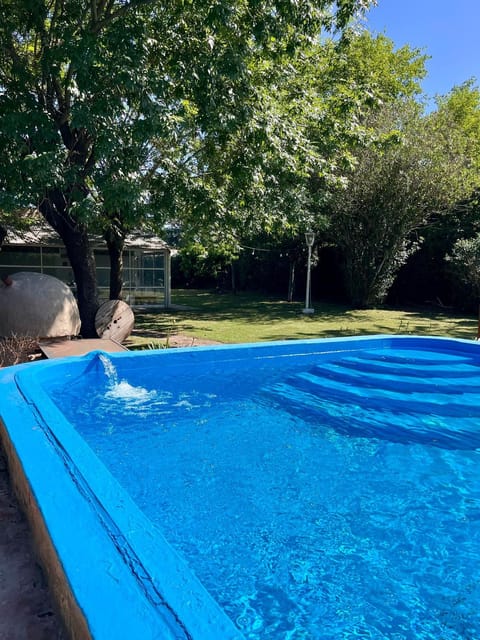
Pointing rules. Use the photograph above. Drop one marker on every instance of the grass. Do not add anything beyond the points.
(248, 317)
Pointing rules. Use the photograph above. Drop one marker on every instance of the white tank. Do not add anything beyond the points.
(37, 305)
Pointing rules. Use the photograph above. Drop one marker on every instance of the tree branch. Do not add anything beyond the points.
(56, 12)
(110, 15)
(101, 6)
(3, 234)
(90, 161)
(62, 105)
(67, 81)
(93, 4)
(14, 55)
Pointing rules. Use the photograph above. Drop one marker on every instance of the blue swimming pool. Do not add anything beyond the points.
(297, 490)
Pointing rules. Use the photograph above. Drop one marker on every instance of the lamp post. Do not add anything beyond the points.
(309, 239)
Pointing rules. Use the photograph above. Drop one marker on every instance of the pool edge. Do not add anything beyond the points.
(15, 436)
(72, 617)
(110, 589)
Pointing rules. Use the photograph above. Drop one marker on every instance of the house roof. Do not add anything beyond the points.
(41, 235)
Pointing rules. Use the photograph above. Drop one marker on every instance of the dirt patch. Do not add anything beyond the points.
(26, 607)
(180, 340)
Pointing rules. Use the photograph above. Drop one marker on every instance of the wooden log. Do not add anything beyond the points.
(114, 319)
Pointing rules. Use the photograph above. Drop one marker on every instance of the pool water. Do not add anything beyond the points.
(321, 497)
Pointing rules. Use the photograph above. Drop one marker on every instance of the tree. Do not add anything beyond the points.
(328, 94)
(269, 175)
(414, 168)
(461, 107)
(400, 166)
(85, 89)
(465, 260)
(433, 277)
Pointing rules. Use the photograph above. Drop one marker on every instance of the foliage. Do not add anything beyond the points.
(269, 177)
(18, 349)
(342, 145)
(97, 98)
(427, 275)
(15, 220)
(199, 266)
(351, 84)
(461, 108)
(417, 166)
(465, 260)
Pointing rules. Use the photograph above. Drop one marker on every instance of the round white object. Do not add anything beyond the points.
(38, 306)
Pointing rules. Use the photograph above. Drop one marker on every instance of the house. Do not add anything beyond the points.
(146, 263)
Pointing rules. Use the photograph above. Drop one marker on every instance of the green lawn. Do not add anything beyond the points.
(252, 318)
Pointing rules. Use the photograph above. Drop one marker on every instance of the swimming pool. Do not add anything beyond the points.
(311, 489)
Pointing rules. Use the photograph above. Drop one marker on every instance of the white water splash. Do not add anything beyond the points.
(121, 389)
(125, 391)
(109, 369)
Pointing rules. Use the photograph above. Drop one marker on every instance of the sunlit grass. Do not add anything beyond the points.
(249, 317)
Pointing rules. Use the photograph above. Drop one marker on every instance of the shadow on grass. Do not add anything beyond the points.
(329, 320)
(235, 307)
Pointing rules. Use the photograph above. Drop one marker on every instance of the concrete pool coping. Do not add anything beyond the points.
(93, 541)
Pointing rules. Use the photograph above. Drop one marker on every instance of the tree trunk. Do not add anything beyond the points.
(3, 234)
(291, 281)
(80, 254)
(115, 243)
(232, 273)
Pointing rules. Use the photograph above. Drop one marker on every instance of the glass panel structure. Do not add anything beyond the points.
(144, 272)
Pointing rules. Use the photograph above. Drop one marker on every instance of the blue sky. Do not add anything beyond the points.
(446, 30)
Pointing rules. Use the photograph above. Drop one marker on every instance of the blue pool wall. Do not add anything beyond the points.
(120, 582)
(95, 530)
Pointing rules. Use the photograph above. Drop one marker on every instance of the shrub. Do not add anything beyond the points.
(15, 350)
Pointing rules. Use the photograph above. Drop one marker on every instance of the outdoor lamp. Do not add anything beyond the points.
(309, 239)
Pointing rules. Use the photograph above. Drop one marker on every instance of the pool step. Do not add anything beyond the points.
(367, 422)
(414, 357)
(397, 409)
(354, 392)
(416, 369)
(393, 381)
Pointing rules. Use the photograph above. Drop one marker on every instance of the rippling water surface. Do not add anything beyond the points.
(334, 498)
